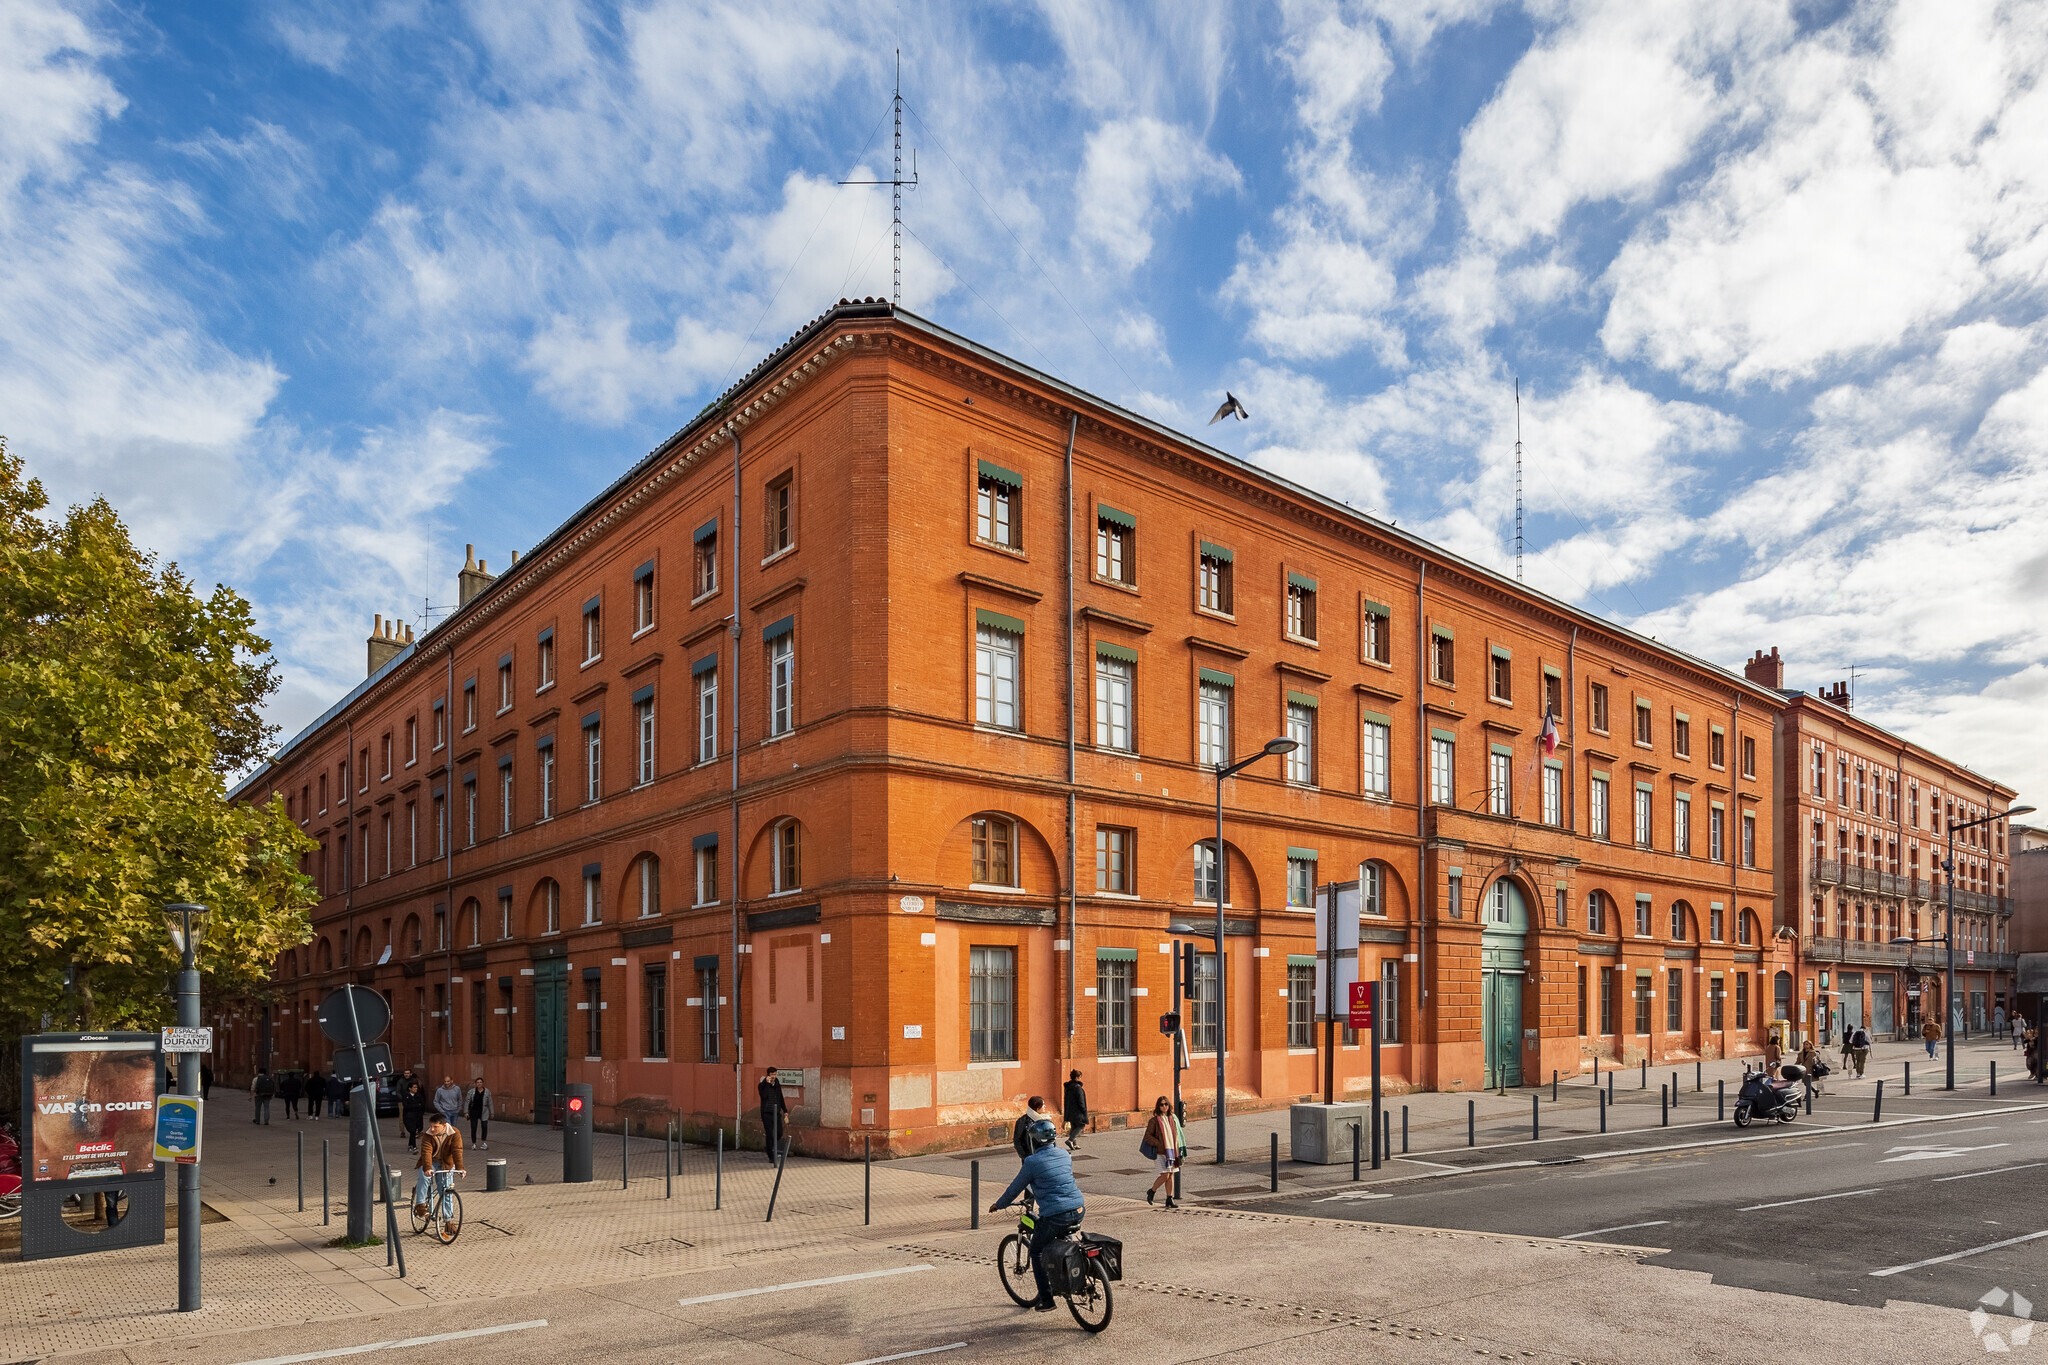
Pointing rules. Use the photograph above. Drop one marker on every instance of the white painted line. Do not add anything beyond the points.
(1972, 1175)
(906, 1355)
(1446, 1166)
(1958, 1255)
(1333, 1198)
(1573, 1237)
(399, 1344)
(799, 1284)
(1920, 1153)
(1801, 1151)
(1810, 1199)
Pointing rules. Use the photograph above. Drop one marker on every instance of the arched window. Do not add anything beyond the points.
(1372, 889)
(1745, 927)
(1596, 913)
(995, 850)
(647, 885)
(1680, 913)
(789, 856)
(326, 956)
(363, 946)
(1205, 870)
(409, 937)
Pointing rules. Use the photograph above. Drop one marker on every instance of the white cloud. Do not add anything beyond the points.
(1316, 295)
(1134, 171)
(1341, 68)
(52, 95)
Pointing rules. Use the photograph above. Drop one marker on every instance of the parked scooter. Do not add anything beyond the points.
(1761, 1097)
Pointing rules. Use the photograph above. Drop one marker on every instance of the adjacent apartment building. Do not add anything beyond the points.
(868, 728)
(1863, 816)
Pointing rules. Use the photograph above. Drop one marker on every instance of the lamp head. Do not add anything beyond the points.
(2016, 810)
(1281, 746)
(187, 924)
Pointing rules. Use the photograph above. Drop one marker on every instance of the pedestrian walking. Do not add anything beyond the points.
(412, 1112)
(1930, 1031)
(774, 1111)
(479, 1111)
(1998, 1019)
(289, 1087)
(2037, 1063)
(1166, 1144)
(1848, 1047)
(261, 1090)
(1859, 1048)
(2019, 1029)
(1772, 1053)
(316, 1093)
(1020, 1135)
(205, 1080)
(448, 1099)
(1074, 1108)
(1812, 1065)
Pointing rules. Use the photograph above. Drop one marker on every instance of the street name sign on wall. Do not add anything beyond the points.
(188, 1040)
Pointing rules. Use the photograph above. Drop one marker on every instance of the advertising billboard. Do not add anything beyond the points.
(91, 1106)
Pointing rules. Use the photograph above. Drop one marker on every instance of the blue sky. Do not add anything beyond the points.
(316, 293)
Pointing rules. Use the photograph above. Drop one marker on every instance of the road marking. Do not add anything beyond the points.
(1918, 1153)
(1972, 1175)
(1810, 1199)
(800, 1284)
(1573, 1237)
(1446, 1166)
(1958, 1255)
(399, 1344)
(1800, 1151)
(1332, 1198)
(906, 1355)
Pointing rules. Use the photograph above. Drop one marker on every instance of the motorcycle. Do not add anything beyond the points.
(1764, 1098)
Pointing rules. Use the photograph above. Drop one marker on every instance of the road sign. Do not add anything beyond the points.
(188, 1040)
(178, 1128)
(371, 1012)
(345, 1070)
(1361, 1005)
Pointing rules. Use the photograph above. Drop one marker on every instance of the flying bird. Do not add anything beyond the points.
(1230, 405)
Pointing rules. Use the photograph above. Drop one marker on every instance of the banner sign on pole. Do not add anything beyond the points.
(1361, 1005)
(1345, 949)
(178, 1128)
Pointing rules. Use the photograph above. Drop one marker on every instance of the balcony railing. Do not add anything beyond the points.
(1847, 875)
(1927, 957)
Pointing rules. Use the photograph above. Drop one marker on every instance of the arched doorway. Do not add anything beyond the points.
(1504, 928)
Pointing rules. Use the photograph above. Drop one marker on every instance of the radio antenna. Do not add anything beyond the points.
(1518, 478)
(896, 182)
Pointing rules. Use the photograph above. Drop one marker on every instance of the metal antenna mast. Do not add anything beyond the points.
(896, 182)
(1518, 478)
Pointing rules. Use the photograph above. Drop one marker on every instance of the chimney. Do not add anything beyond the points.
(474, 577)
(1838, 694)
(388, 640)
(1766, 671)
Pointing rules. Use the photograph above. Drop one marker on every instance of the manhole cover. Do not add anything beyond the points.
(659, 1246)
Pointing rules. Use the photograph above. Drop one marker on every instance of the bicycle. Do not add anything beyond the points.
(444, 1211)
(1088, 1300)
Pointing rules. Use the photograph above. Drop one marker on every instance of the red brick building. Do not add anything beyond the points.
(1862, 817)
(788, 746)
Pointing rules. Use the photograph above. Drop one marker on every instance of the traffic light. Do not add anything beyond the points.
(578, 1153)
(1187, 968)
(1169, 1023)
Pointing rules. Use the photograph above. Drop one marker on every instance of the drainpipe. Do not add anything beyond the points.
(448, 868)
(739, 1044)
(1424, 896)
(1571, 707)
(1073, 854)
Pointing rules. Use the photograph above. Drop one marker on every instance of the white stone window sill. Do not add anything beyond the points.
(1301, 1052)
(1108, 1060)
(788, 549)
(787, 891)
(644, 630)
(1294, 639)
(993, 1066)
(1117, 895)
(593, 659)
(593, 1058)
(1001, 890)
(705, 596)
(547, 686)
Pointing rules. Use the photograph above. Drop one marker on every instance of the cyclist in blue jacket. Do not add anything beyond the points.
(1049, 1174)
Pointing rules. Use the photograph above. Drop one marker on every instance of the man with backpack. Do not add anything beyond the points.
(1020, 1135)
(262, 1089)
(1859, 1048)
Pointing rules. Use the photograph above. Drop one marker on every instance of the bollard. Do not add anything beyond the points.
(1809, 1101)
(867, 1179)
(1553, 1085)
(1994, 1078)
(1610, 1086)
(1596, 1072)
(1720, 1101)
(973, 1195)
(1877, 1109)
(1471, 1123)
(718, 1177)
(324, 1215)
(1664, 1105)
(1404, 1130)
(1603, 1107)
(1674, 1090)
(1698, 1077)
(1909, 1078)
(1354, 1150)
(1646, 1075)
(668, 1170)
(1273, 1163)
(1386, 1138)
(494, 1176)
(625, 1154)
(781, 1159)
(1535, 1118)
(302, 1154)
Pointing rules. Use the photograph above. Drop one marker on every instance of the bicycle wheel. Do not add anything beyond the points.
(419, 1220)
(449, 1224)
(1090, 1303)
(1013, 1260)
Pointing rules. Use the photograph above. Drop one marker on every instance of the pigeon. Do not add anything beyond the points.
(1230, 405)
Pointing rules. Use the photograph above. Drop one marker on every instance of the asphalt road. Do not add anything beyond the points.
(1852, 1214)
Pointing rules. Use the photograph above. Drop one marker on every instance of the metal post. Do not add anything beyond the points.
(1404, 1130)
(1222, 975)
(324, 1213)
(1664, 1105)
(867, 1179)
(1386, 1135)
(1535, 1117)
(1646, 1074)
(781, 1157)
(395, 1250)
(188, 1172)
(302, 1152)
(1273, 1162)
(1553, 1085)
(1720, 1100)
(1809, 1101)
(1698, 1075)
(1877, 1108)
(1378, 1114)
(1948, 989)
(1994, 1078)
(1603, 1107)
(1674, 1089)
(718, 1176)
(625, 1155)
(668, 1170)
(1909, 1078)
(1471, 1123)
(1610, 1085)
(973, 1195)
(1354, 1149)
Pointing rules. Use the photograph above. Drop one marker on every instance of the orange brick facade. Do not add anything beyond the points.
(862, 870)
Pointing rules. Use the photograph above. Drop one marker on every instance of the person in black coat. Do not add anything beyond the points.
(1074, 1108)
(289, 1087)
(412, 1109)
(1020, 1138)
(316, 1091)
(206, 1080)
(774, 1111)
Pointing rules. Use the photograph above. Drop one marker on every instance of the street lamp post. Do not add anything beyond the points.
(1948, 934)
(1272, 748)
(187, 923)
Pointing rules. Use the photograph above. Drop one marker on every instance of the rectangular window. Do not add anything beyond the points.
(1113, 977)
(440, 738)
(707, 1013)
(1377, 748)
(1389, 1013)
(1443, 658)
(504, 914)
(780, 527)
(1203, 999)
(1502, 678)
(1553, 694)
(505, 798)
(707, 875)
(1643, 811)
(1112, 703)
(1553, 795)
(1301, 883)
(1301, 728)
(1213, 580)
(1499, 791)
(440, 825)
(1742, 1001)
(1717, 847)
(991, 993)
(1301, 607)
(593, 1024)
(1715, 999)
(1595, 916)
(1642, 917)
(551, 907)
(1674, 999)
(643, 599)
(363, 770)
(547, 782)
(789, 856)
(1115, 548)
(593, 761)
(993, 841)
(1643, 724)
(1717, 748)
(1606, 1000)
(1582, 1001)
(1454, 893)
(468, 706)
(1596, 703)
(546, 667)
(1677, 922)
(1301, 1004)
(782, 684)
(593, 896)
(1205, 870)
(1748, 756)
(593, 631)
(1643, 998)
(1681, 737)
(469, 812)
(1212, 737)
(1749, 840)
(1442, 762)
(1715, 917)
(1681, 825)
(707, 715)
(387, 757)
(654, 1007)
(996, 520)
(1596, 807)
(650, 887)
(1112, 859)
(479, 1013)
(1372, 898)
(504, 687)
(412, 834)
(704, 563)
(995, 677)
(1375, 629)
(412, 742)
(643, 731)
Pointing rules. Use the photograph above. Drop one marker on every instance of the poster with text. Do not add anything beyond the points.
(92, 1105)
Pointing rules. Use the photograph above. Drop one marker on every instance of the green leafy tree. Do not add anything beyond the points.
(126, 702)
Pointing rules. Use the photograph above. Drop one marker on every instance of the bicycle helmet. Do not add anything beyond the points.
(1041, 1135)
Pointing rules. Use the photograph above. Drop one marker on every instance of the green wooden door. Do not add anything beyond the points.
(550, 1033)
(1501, 1018)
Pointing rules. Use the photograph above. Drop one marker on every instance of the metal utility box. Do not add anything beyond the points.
(1321, 1133)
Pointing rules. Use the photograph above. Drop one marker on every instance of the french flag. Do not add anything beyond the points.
(1549, 736)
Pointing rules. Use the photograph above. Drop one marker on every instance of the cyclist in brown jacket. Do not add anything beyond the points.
(440, 1150)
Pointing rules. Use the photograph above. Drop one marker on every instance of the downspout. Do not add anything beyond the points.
(739, 1043)
(1571, 708)
(1424, 894)
(1073, 869)
(348, 883)
(448, 865)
